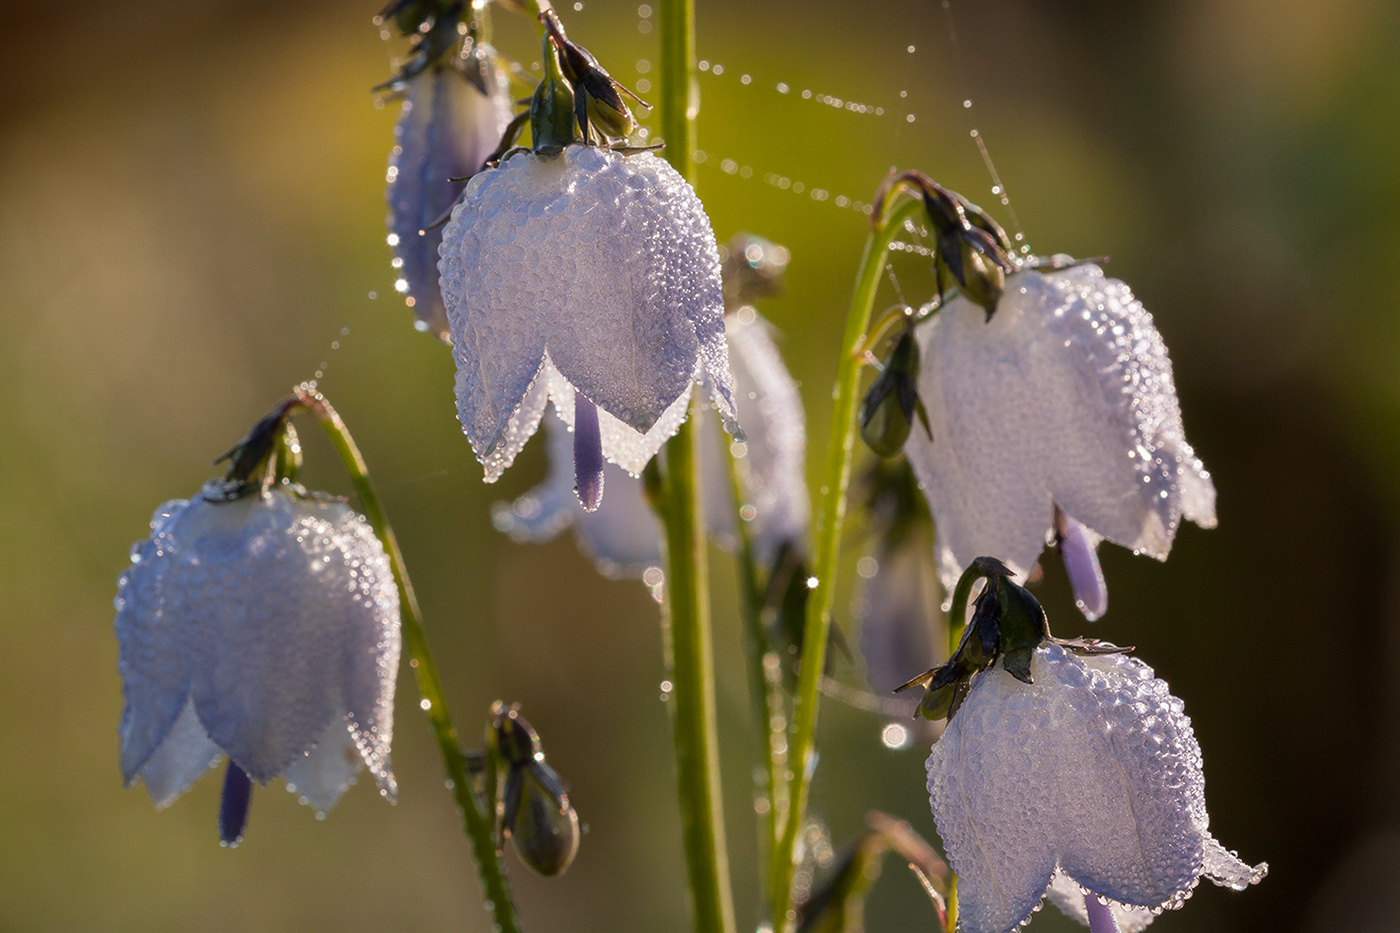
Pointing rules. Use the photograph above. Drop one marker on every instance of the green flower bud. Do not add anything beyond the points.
(539, 819)
(887, 412)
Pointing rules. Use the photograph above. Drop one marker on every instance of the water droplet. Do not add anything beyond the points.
(425, 704)
(896, 737)
(867, 567)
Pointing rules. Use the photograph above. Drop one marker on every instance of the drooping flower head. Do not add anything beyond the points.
(622, 535)
(1057, 417)
(455, 110)
(265, 628)
(1090, 770)
(586, 276)
(1064, 763)
(263, 624)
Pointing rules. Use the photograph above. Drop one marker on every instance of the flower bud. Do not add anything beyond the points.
(887, 412)
(539, 819)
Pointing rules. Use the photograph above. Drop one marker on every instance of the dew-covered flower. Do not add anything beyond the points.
(1088, 776)
(623, 535)
(452, 120)
(266, 628)
(590, 278)
(1056, 418)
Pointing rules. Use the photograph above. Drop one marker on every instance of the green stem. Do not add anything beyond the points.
(476, 824)
(690, 662)
(689, 640)
(957, 614)
(764, 687)
(830, 515)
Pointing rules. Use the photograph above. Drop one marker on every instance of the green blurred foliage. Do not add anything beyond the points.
(192, 211)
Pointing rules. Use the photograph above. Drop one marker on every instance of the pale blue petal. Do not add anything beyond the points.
(1065, 396)
(182, 758)
(320, 776)
(773, 469)
(290, 589)
(152, 642)
(446, 130)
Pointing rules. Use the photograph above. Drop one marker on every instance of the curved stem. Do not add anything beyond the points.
(830, 514)
(476, 824)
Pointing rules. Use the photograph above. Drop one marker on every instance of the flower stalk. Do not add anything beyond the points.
(477, 823)
(689, 643)
(887, 223)
(765, 690)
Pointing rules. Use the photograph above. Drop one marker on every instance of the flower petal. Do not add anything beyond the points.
(622, 537)
(321, 775)
(521, 425)
(1092, 767)
(607, 261)
(773, 469)
(622, 444)
(1069, 897)
(153, 657)
(291, 589)
(446, 130)
(1066, 396)
(182, 758)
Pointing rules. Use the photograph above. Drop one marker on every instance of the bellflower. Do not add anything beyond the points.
(265, 628)
(1056, 417)
(590, 278)
(452, 120)
(901, 628)
(1086, 769)
(623, 535)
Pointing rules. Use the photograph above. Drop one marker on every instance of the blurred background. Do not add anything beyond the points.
(192, 214)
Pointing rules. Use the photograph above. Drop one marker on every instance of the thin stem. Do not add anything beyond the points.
(764, 690)
(957, 613)
(687, 577)
(1101, 919)
(830, 514)
(476, 824)
(690, 661)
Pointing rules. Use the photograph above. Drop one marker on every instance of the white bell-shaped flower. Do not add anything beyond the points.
(265, 628)
(452, 120)
(1064, 399)
(591, 278)
(1092, 771)
(623, 536)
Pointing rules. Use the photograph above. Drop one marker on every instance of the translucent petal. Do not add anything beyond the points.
(1069, 897)
(182, 758)
(1065, 396)
(606, 261)
(152, 643)
(622, 445)
(902, 633)
(622, 537)
(322, 774)
(521, 426)
(1093, 768)
(296, 605)
(773, 469)
(446, 130)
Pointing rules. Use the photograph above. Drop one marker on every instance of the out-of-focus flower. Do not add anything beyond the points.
(266, 628)
(1058, 416)
(624, 537)
(1085, 767)
(453, 117)
(590, 278)
(901, 626)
